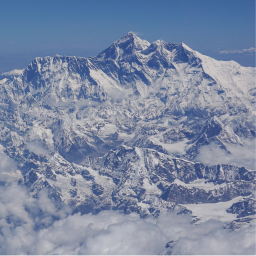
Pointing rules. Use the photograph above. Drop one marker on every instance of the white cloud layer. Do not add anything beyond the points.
(248, 51)
(36, 147)
(8, 168)
(242, 156)
(35, 226)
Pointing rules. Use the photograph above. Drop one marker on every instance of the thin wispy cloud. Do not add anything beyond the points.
(251, 50)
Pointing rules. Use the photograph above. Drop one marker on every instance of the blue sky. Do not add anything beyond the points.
(31, 28)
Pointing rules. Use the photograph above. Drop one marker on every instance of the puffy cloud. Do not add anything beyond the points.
(106, 233)
(81, 103)
(8, 169)
(248, 51)
(243, 156)
(37, 148)
(86, 103)
(210, 238)
(22, 216)
(35, 226)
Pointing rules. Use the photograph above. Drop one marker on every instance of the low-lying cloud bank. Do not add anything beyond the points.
(242, 156)
(36, 226)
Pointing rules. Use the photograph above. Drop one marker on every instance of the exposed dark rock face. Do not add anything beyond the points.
(244, 208)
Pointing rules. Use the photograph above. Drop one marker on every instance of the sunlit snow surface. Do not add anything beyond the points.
(215, 211)
(117, 132)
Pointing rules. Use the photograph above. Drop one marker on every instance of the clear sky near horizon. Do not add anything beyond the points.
(222, 29)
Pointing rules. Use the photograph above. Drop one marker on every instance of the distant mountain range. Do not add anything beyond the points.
(125, 130)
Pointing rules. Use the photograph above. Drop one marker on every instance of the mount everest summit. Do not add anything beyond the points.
(129, 129)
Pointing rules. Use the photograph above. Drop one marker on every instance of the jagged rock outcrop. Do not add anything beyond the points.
(122, 130)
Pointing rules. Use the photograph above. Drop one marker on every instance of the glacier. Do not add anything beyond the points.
(134, 130)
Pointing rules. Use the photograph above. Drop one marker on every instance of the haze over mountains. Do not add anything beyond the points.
(142, 128)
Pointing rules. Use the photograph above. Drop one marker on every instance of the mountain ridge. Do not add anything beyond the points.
(126, 130)
(98, 78)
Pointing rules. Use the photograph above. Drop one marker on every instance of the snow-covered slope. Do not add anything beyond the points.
(125, 129)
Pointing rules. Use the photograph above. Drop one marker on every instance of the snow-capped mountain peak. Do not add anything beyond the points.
(143, 128)
(186, 47)
(125, 46)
